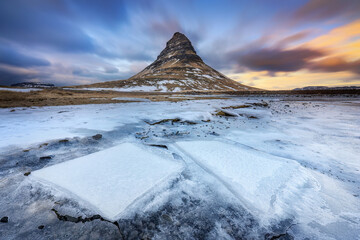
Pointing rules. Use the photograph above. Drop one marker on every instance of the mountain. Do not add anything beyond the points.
(177, 68)
(33, 85)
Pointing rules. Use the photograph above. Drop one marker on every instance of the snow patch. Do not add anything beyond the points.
(20, 89)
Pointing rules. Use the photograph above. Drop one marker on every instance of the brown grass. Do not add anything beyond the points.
(58, 96)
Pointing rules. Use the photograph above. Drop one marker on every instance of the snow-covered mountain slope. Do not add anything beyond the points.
(177, 68)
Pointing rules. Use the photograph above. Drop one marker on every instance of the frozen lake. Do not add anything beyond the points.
(272, 168)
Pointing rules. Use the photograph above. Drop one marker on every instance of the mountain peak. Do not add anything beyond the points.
(179, 68)
(179, 47)
(178, 36)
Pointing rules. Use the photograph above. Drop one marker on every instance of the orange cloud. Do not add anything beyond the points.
(339, 64)
(342, 41)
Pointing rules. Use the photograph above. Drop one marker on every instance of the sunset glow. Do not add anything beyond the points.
(264, 44)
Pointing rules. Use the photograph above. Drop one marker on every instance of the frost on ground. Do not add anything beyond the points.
(20, 89)
(272, 168)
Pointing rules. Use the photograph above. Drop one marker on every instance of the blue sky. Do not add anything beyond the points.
(70, 42)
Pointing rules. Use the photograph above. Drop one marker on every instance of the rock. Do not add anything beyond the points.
(237, 107)
(97, 216)
(12, 110)
(172, 120)
(166, 217)
(4, 219)
(64, 141)
(41, 227)
(262, 104)
(158, 145)
(27, 174)
(97, 136)
(43, 145)
(45, 158)
(225, 114)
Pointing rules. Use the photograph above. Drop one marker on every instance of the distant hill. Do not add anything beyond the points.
(33, 85)
(177, 68)
(326, 88)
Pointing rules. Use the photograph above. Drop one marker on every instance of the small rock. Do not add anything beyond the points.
(4, 219)
(97, 137)
(225, 114)
(27, 174)
(95, 217)
(45, 158)
(41, 227)
(166, 217)
(64, 141)
(12, 110)
(43, 145)
(159, 146)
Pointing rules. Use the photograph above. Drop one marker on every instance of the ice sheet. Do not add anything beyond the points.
(265, 183)
(320, 136)
(112, 179)
(28, 126)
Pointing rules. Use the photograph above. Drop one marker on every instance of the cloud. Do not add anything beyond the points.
(107, 40)
(318, 10)
(108, 14)
(166, 28)
(42, 24)
(293, 38)
(278, 60)
(335, 51)
(111, 69)
(10, 75)
(108, 73)
(11, 56)
(336, 64)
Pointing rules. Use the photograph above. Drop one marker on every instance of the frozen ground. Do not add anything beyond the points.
(273, 168)
(20, 89)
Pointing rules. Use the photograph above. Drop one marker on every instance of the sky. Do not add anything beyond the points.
(270, 44)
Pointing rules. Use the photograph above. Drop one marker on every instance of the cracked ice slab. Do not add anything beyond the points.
(112, 179)
(265, 184)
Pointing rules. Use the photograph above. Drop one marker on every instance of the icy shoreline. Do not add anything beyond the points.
(274, 167)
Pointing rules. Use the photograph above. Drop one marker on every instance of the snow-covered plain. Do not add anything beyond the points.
(283, 168)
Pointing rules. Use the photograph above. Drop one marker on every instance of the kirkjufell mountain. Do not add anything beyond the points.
(178, 68)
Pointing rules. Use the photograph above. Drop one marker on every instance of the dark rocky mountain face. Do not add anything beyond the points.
(179, 68)
(178, 47)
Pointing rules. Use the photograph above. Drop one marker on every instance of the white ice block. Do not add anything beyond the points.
(265, 183)
(112, 179)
